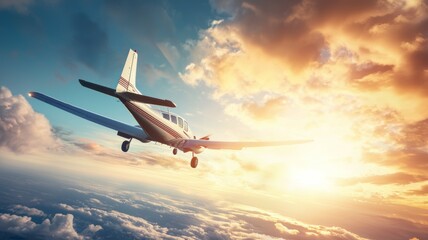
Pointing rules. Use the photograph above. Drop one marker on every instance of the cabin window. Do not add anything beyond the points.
(166, 116)
(180, 122)
(186, 127)
(174, 119)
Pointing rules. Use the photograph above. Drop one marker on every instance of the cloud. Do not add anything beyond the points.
(399, 178)
(16, 224)
(284, 229)
(89, 41)
(21, 128)
(155, 215)
(96, 201)
(61, 227)
(422, 191)
(72, 209)
(407, 151)
(335, 71)
(370, 48)
(91, 230)
(135, 159)
(23, 210)
(266, 110)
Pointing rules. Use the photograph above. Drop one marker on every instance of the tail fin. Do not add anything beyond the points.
(129, 72)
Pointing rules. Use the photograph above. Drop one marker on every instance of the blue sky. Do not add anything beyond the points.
(48, 45)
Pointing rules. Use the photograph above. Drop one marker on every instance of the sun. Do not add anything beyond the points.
(309, 180)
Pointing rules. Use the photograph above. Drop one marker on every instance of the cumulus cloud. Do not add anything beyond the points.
(72, 209)
(91, 230)
(407, 151)
(184, 220)
(284, 229)
(21, 128)
(24, 210)
(354, 70)
(369, 47)
(16, 224)
(61, 227)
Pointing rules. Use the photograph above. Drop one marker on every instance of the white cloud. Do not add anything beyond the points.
(85, 211)
(138, 227)
(61, 227)
(286, 230)
(94, 200)
(91, 229)
(21, 128)
(16, 224)
(24, 210)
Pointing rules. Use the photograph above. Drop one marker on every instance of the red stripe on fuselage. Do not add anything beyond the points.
(155, 121)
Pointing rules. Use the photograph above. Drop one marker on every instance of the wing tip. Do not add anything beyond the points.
(33, 94)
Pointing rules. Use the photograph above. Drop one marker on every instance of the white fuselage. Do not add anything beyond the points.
(163, 127)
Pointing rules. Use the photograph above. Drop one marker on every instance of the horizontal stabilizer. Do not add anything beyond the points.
(99, 88)
(129, 95)
(147, 99)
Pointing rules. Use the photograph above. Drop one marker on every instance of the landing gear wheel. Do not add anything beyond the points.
(194, 162)
(125, 146)
(174, 151)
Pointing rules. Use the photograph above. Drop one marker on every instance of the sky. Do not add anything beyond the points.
(351, 75)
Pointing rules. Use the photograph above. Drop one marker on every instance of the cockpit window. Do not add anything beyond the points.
(166, 116)
(186, 126)
(174, 119)
(180, 122)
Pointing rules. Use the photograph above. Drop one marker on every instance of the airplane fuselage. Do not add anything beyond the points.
(158, 128)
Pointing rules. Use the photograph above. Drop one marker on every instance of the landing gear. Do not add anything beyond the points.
(125, 145)
(194, 162)
(174, 151)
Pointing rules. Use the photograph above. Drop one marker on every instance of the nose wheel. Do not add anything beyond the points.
(194, 162)
(174, 151)
(125, 145)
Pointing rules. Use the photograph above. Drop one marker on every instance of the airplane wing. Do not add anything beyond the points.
(195, 143)
(125, 129)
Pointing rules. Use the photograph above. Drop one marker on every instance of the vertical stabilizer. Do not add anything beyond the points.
(127, 78)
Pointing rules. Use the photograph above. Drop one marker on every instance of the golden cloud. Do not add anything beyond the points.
(370, 49)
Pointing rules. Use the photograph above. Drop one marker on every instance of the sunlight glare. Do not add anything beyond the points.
(309, 179)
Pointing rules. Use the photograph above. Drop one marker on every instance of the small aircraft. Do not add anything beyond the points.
(154, 125)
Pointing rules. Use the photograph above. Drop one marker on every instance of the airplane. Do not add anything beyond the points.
(154, 125)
